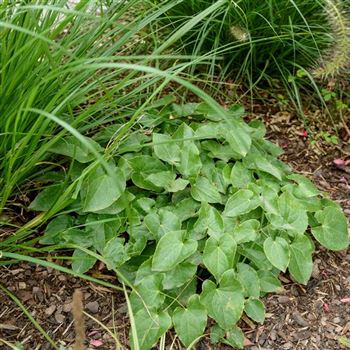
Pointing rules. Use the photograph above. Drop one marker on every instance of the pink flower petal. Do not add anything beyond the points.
(96, 343)
(326, 307)
(345, 300)
(340, 162)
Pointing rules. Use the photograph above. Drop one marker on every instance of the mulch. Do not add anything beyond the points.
(300, 317)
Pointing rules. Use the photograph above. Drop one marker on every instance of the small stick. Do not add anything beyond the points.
(79, 325)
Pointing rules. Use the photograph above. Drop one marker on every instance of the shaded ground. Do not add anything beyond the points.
(311, 317)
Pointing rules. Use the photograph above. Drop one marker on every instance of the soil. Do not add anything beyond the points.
(301, 317)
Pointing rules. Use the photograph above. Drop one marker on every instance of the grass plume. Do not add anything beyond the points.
(336, 58)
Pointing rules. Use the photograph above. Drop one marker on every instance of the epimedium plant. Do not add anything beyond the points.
(197, 215)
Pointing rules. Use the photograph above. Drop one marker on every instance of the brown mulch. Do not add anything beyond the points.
(301, 317)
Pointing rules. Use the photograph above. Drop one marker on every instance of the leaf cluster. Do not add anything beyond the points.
(199, 216)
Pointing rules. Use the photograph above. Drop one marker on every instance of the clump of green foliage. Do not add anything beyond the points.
(197, 216)
(288, 45)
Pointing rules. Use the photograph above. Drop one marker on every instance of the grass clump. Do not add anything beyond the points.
(276, 44)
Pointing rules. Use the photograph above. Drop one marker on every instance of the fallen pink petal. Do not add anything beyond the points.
(96, 343)
(345, 300)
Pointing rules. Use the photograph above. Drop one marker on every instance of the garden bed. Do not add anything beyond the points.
(311, 317)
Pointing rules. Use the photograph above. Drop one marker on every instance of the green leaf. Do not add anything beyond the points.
(166, 149)
(277, 251)
(149, 293)
(171, 249)
(243, 201)
(269, 283)
(246, 231)
(54, 230)
(72, 147)
(181, 274)
(190, 162)
(237, 136)
(225, 304)
(216, 334)
(240, 176)
(115, 253)
(249, 279)
(143, 166)
(333, 231)
(46, 198)
(150, 326)
(162, 223)
(344, 341)
(209, 221)
(161, 179)
(300, 265)
(190, 322)
(177, 185)
(256, 160)
(219, 254)
(305, 188)
(255, 309)
(218, 150)
(100, 190)
(235, 338)
(204, 191)
(292, 217)
(82, 262)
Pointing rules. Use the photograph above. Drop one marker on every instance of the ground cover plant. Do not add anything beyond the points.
(200, 218)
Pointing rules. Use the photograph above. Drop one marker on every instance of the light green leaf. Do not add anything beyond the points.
(305, 188)
(243, 201)
(225, 304)
(255, 309)
(181, 274)
(204, 191)
(161, 179)
(115, 253)
(235, 338)
(249, 280)
(218, 254)
(99, 190)
(209, 221)
(177, 185)
(190, 162)
(166, 149)
(171, 249)
(149, 293)
(82, 262)
(190, 323)
(256, 160)
(277, 251)
(300, 265)
(246, 231)
(150, 326)
(72, 147)
(333, 231)
(162, 223)
(268, 281)
(292, 217)
(237, 136)
(218, 150)
(240, 176)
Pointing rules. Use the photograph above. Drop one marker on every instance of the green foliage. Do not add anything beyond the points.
(250, 34)
(196, 231)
